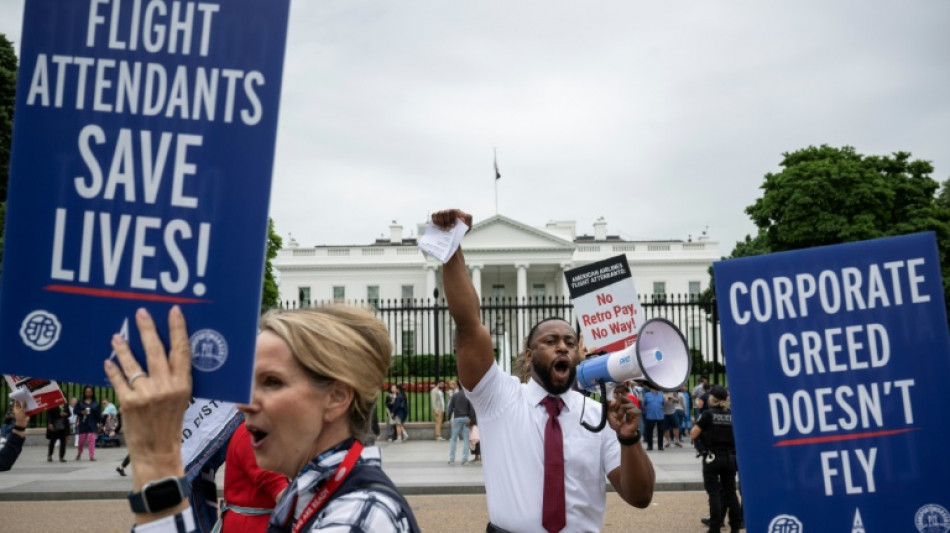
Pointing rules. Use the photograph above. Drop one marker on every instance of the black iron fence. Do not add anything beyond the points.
(423, 338)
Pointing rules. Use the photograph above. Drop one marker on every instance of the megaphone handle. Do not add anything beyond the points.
(603, 411)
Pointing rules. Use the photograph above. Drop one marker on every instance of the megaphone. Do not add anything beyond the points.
(660, 357)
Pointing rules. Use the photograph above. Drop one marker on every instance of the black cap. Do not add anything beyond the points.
(719, 392)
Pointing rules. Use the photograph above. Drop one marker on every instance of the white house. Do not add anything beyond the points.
(507, 258)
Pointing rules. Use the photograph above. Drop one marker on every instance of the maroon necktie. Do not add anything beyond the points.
(553, 514)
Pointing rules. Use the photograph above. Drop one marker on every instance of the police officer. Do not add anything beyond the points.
(713, 430)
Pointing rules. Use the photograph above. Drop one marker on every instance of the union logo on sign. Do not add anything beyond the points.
(40, 330)
(209, 350)
(932, 518)
(784, 523)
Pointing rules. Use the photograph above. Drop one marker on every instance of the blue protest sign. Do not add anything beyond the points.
(140, 177)
(837, 359)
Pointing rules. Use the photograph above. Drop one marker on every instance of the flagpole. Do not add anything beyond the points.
(496, 179)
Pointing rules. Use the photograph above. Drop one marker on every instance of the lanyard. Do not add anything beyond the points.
(330, 487)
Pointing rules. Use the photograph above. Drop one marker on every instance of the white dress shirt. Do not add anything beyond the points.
(511, 423)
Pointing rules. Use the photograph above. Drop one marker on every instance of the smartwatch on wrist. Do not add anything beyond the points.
(159, 495)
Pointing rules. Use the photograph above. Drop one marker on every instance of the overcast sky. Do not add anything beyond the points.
(662, 117)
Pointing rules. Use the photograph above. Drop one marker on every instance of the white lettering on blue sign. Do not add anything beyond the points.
(865, 460)
(853, 288)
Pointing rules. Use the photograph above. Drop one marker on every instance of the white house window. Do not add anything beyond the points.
(407, 292)
(659, 291)
(537, 291)
(339, 293)
(695, 340)
(372, 295)
(303, 296)
(693, 291)
(497, 291)
(408, 342)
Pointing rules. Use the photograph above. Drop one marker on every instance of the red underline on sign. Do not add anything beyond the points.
(836, 438)
(124, 295)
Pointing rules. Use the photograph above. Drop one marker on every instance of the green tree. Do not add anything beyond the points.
(943, 197)
(269, 294)
(745, 248)
(8, 64)
(828, 195)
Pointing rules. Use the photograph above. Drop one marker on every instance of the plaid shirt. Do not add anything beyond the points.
(360, 510)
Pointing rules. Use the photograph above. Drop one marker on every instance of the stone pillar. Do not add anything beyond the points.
(521, 329)
(565, 289)
(477, 279)
(522, 281)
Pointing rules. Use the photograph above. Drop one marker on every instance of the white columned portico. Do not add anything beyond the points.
(477, 280)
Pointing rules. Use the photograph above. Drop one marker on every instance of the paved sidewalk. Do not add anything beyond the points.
(417, 467)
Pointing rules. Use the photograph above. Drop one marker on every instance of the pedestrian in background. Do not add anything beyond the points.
(87, 425)
(388, 402)
(73, 421)
(400, 411)
(110, 418)
(453, 387)
(437, 398)
(698, 391)
(653, 401)
(57, 428)
(460, 410)
(474, 440)
(702, 400)
(670, 421)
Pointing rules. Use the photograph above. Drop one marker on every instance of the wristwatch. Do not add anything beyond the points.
(160, 495)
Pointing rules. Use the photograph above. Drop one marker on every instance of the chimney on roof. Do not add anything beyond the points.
(600, 229)
(395, 233)
(565, 229)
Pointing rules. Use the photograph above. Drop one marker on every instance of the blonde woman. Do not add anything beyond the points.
(315, 372)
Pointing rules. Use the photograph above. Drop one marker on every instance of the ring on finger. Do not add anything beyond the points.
(136, 376)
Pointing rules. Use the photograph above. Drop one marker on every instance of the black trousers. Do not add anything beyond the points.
(719, 480)
(649, 427)
(52, 445)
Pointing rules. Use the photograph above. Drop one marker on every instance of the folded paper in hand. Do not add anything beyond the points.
(23, 396)
(440, 244)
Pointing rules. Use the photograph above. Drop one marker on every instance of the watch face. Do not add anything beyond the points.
(163, 494)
